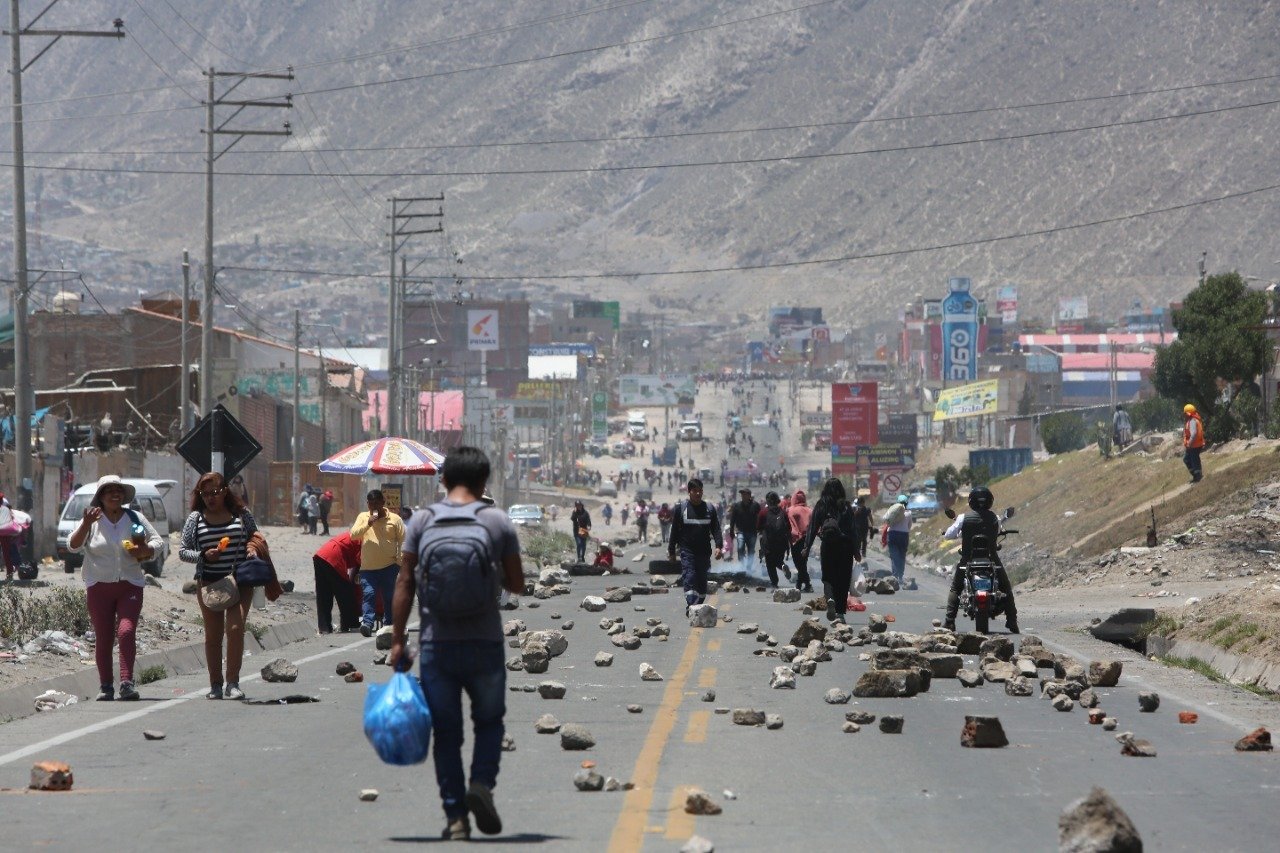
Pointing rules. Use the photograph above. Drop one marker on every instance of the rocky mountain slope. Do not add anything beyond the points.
(841, 75)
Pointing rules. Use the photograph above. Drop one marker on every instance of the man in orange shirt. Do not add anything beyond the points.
(1192, 441)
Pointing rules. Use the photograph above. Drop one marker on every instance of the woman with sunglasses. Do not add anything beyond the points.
(115, 541)
(217, 514)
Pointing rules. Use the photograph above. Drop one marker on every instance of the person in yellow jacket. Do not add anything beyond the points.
(380, 534)
(1192, 441)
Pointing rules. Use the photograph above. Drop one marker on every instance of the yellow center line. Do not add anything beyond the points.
(697, 731)
(680, 824)
(628, 832)
(707, 678)
(713, 645)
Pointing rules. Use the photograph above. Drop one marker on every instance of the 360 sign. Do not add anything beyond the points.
(959, 331)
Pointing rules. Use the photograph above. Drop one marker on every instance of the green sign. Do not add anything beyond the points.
(585, 309)
(599, 416)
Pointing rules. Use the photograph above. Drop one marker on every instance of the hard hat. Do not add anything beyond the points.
(1188, 409)
(902, 499)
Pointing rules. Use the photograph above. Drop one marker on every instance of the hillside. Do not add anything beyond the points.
(696, 67)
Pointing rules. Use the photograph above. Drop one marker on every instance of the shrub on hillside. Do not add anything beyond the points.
(1155, 414)
(1062, 432)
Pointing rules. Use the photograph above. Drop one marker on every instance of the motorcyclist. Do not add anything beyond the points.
(979, 520)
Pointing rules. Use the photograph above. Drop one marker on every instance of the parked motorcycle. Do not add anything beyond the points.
(981, 599)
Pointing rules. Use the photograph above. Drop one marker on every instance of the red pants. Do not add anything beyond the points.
(114, 609)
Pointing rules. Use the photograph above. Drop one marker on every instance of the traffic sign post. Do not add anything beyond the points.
(892, 483)
(219, 443)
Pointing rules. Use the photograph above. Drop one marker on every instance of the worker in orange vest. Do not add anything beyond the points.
(1192, 441)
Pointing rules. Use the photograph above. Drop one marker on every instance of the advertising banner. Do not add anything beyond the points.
(599, 416)
(978, 398)
(959, 332)
(1072, 312)
(755, 351)
(878, 457)
(588, 350)
(592, 309)
(1007, 303)
(854, 416)
(656, 389)
(900, 429)
(482, 330)
(544, 389)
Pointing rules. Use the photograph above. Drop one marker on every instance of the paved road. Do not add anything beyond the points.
(287, 777)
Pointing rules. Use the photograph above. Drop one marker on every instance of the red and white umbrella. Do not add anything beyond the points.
(385, 456)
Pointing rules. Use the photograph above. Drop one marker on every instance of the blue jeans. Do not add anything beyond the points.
(748, 552)
(581, 543)
(898, 540)
(693, 575)
(448, 668)
(374, 582)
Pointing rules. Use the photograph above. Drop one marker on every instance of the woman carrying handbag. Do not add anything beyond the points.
(218, 536)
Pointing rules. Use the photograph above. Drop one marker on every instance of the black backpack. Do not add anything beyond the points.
(777, 529)
(830, 532)
(457, 577)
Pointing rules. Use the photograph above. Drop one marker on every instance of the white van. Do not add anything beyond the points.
(149, 501)
(637, 426)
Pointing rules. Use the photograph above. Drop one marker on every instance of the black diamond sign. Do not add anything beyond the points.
(238, 446)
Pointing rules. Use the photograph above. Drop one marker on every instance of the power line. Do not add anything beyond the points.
(887, 253)
(169, 39)
(1136, 93)
(743, 161)
(200, 35)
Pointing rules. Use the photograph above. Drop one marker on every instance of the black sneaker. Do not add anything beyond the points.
(480, 804)
(215, 691)
(128, 693)
(106, 693)
(366, 630)
(1012, 627)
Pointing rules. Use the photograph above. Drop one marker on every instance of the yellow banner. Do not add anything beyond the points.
(967, 401)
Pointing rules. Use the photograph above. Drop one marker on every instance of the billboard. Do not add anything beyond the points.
(1007, 303)
(959, 332)
(482, 330)
(1072, 312)
(854, 413)
(900, 429)
(599, 416)
(588, 350)
(879, 457)
(978, 398)
(587, 308)
(656, 389)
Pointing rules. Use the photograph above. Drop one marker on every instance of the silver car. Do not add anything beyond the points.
(525, 515)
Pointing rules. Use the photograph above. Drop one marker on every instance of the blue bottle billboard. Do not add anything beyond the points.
(959, 332)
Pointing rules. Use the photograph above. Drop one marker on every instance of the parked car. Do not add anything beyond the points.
(623, 450)
(691, 431)
(822, 439)
(525, 515)
(148, 500)
(606, 489)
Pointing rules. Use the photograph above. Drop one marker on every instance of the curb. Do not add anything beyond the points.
(1236, 669)
(18, 702)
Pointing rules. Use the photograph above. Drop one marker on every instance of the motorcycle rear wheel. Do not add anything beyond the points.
(982, 623)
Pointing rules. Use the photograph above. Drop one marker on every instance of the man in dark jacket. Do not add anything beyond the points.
(775, 537)
(861, 528)
(743, 518)
(695, 534)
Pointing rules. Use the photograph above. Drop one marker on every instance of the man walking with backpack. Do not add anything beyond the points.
(695, 533)
(458, 555)
(775, 538)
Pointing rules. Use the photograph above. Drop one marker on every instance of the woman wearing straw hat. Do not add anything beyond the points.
(115, 542)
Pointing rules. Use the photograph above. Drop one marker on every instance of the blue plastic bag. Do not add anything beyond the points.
(397, 721)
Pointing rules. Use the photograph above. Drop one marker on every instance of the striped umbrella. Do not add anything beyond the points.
(385, 456)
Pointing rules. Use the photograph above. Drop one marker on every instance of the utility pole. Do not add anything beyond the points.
(297, 380)
(211, 130)
(405, 223)
(23, 390)
(184, 380)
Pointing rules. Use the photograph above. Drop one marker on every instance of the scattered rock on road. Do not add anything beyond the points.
(603, 659)
(1258, 740)
(850, 728)
(969, 678)
(593, 604)
(648, 673)
(1105, 673)
(634, 709)
(508, 743)
(1110, 723)
(151, 734)
(862, 718)
(1096, 824)
(773, 721)
(836, 696)
(877, 623)
(576, 737)
(700, 803)
(709, 696)
(698, 844)
(551, 690)
(368, 795)
(513, 627)
(891, 725)
(944, 665)
(280, 669)
(887, 683)
(998, 647)
(535, 657)
(344, 667)
(1096, 716)
(748, 717)
(702, 616)
(809, 630)
(1136, 747)
(983, 733)
(1063, 702)
(618, 596)
(1148, 701)
(546, 725)
(588, 780)
(354, 677)
(786, 596)
(1019, 687)
(784, 678)
(51, 776)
